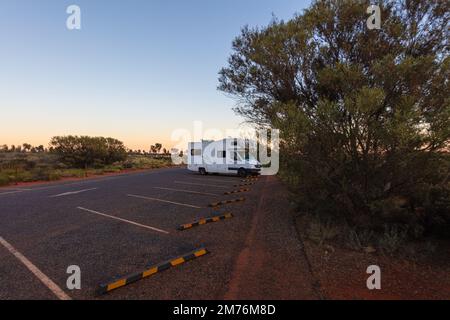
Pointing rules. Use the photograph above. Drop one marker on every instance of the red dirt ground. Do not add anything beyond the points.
(275, 263)
(342, 274)
(271, 265)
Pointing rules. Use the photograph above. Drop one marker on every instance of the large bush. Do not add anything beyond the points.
(364, 114)
(84, 151)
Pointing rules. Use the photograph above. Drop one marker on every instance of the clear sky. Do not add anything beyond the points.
(137, 70)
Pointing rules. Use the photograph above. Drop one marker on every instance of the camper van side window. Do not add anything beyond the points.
(196, 152)
(221, 154)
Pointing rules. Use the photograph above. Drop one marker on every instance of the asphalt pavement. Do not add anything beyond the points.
(111, 227)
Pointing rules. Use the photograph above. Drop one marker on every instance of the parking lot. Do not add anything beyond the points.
(117, 226)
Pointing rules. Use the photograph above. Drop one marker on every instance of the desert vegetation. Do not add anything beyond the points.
(364, 116)
(74, 157)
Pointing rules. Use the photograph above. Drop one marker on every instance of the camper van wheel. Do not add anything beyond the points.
(242, 172)
(202, 171)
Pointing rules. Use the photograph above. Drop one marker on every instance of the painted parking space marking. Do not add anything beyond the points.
(72, 193)
(200, 184)
(57, 291)
(188, 191)
(165, 201)
(10, 192)
(123, 220)
(150, 271)
(205, 221)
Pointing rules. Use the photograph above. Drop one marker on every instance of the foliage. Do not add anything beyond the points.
(321, 231)
(143, 162)
(84, 151)
(364, 114)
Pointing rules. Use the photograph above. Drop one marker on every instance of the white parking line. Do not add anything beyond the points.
(72, 193)
(188, 191)
(123, 220)
(10, 192)
(166, 201)
(200, 184)
(38, 273)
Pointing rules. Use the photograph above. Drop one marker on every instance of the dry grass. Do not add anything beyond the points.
(32, 167)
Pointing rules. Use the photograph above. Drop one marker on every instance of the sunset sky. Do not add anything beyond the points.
(136, 71)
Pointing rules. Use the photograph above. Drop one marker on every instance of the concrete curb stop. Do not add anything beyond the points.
(244, 185)
(205, 221)
(236, 191)
(124, 281)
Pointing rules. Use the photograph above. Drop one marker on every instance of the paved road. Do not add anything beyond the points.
(117, 225)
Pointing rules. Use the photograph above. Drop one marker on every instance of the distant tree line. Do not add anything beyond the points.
(73, 156)
(156, 150)
(26, 147)
(84, 151)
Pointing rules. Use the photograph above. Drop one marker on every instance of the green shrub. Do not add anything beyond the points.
(364, 116)
(113, 169)
(321, 231)
(393, 238)
(85, 152)
(72, 173)
(26, 176)
(358, 239)
(143, 162)
(54, 176)
(128, 165)
(4, 179)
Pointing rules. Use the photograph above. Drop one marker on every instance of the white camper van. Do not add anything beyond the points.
(228, 156)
